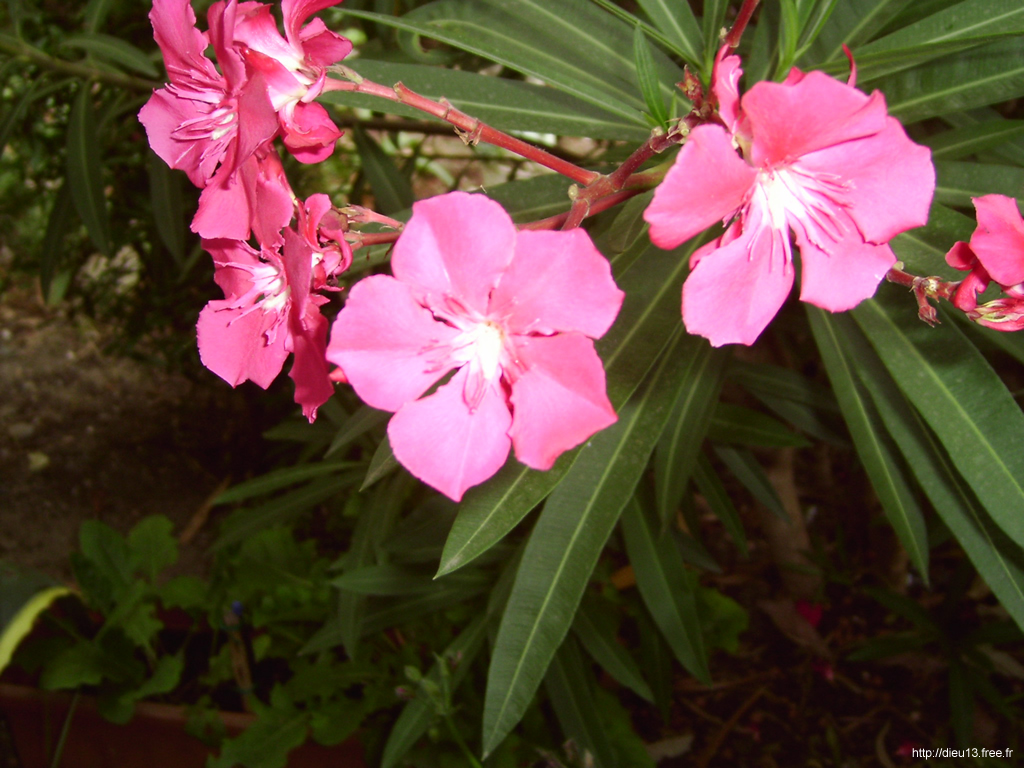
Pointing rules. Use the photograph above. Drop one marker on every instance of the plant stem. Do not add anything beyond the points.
(732, 38)
(470, 129)
(461, 742)
(19, 48)
(65, 728)
(924, 288)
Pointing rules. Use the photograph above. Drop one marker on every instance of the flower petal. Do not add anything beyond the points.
(888, 180)
(734, 292)
(999, 239)
(455, 245)
(559, 400)
(557, 281)
(448, 446)
(390, 348)
(844, 276)
(309, 370)
(788, 120)
(707, 183)
(233, 344)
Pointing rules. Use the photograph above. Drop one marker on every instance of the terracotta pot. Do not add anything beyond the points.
(155, 737)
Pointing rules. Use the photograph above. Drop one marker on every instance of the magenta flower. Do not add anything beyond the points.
(294, 68)
(814, 155)
(995, 254)
(268, 312)
(206, 123)
(513, 313)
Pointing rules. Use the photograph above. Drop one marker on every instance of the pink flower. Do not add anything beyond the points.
(294, 68)
(268, 312)
(996, 251)
(815, 156)
(513, 313)
(206, 123)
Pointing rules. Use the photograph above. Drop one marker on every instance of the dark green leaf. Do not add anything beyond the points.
(567, 540)
(168, 208)
(570, 686)
(961, 142)
(391, 187)
(838, 343)
(676, 22)
(280, 478)
(114, 50)
(957, 183)
(85, 172)
(961, 398)
(668, 589)
(592, 629)
(648, 77)
(714, 493)
(745, 468)
(382, 464)
(744, 426)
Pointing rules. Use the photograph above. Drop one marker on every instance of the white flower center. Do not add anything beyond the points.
(481, 346)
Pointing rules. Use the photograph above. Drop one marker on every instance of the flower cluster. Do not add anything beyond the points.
(218, 126)
(994, 254)
(481, 342)
(809, 154)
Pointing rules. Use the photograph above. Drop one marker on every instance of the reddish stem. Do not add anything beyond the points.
(732, 38)
(924, 288)
(470, 129)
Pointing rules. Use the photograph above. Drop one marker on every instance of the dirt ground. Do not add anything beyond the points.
(86, 435)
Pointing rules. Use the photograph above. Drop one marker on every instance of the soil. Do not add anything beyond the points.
(88, 435)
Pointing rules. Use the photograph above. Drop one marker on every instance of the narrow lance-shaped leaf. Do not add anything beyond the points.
(999, 561)
(961, 398)
(391, 188)
(718, 499)
(570, 686)
(667, 589)
(593, 630)
(687, 425)
(839, 353)
(675, 20)
(648, 77)
(85, 172)
(168, 209)
(566, 542)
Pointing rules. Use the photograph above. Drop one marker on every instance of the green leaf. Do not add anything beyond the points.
(1012, 150)
(21, 614)
(592, 627)
(85, 171)
(453, 589)
(667, 588)
(151, 546)
(281, 478)
(267, 742)
(745, 468)
(284, 508)
(168, 208)
(649, 315)
(713, 23)
(987, 75)
(957, 183)
(567, 540)
(96, 13)
(676, 22)
(687, 425)
(391, 187)
(383, 579)
(999, 561)
(842, 355)
(961, 142)
(961, 398)
(58, 224)
(544, 42)
(358, 424)
(571, 689)
(715, 494)
(419, 713)
(509, 105)
(648, 77)
(114, 50)
(744, 426)
(382, 464)
(854, 22)
(968, 19)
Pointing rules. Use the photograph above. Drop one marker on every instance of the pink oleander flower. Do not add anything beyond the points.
(512, 313)
(206, 123)
(810, 154)
(268, 313)
(995, 252)
(295, 70)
